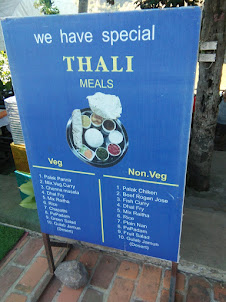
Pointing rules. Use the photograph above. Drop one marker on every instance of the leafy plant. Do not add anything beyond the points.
(5, 75)
(147, 4)
(47, 7)
(98, 6)
(29, 202)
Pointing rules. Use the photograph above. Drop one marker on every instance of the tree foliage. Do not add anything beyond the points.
(5, 76)
(147, 4)
(4, 68)
(46, 7)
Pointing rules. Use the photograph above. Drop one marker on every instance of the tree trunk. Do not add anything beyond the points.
(111, 2)
(207, 100)
(83, 6)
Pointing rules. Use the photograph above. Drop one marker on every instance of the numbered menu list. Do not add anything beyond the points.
(134, 215)
(56, 195)
(129, 216)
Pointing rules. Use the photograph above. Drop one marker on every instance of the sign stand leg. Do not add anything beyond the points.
(49, 253)
(173, 282)
(48, 244)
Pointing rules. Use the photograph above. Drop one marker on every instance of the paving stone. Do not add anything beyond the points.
(92, 295)
(121, 291)
(69, 295)
(47, 279)
(89, 259)
(128, 270)
(51, 290)
(55, 250)
(38, 290)
(180, 280)
(29, 251)
(33, 275)
(198, 290)
(202, 281)
(73, 254)
(164, 296)
(179, 297)
(104, 272)
(16, 298)
(8, 278)
(220, 292)
(60, 256)
(149, 281)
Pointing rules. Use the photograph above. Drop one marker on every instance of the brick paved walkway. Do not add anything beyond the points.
(24, 275)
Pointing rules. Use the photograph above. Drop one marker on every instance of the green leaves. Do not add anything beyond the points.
(27, 188)
(29, 202)
(146, 4)
(5, 74)
(47, 7)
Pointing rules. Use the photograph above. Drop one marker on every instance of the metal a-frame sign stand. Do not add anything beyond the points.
(173, 282)
(48, 248)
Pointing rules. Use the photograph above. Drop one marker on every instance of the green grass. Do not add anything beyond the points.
(8, 238)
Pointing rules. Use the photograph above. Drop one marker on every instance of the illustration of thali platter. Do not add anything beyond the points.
(95, 134)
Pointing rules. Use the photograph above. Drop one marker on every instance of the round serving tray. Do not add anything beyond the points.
(112, 160)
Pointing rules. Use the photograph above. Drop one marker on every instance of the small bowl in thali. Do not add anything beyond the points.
(94, 138)
(86, 122)
(87, 153)
(102, 154)
(115, 137)
(108, 126)
(96, 120)
(114, 149)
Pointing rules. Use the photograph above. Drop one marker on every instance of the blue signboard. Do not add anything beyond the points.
(105, 102)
